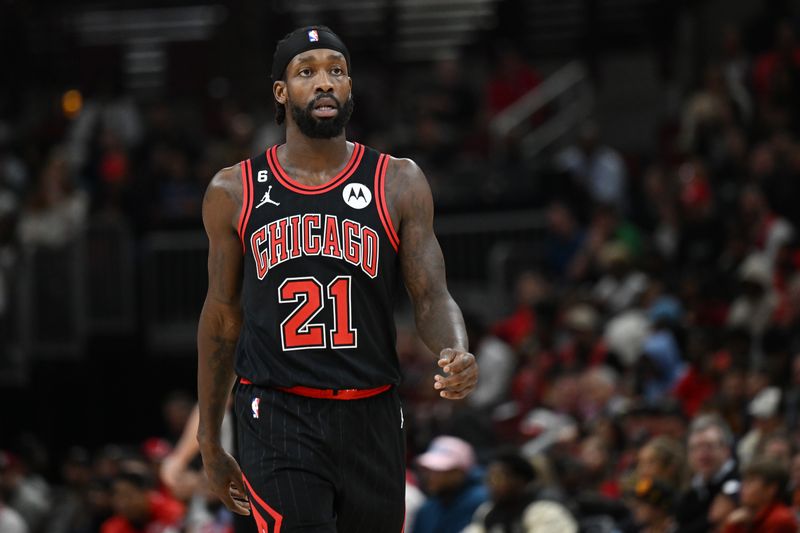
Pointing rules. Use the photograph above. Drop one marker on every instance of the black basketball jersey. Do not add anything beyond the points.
(320, 272)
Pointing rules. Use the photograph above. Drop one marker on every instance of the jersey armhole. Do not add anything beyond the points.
(380, 201)
(247, 201)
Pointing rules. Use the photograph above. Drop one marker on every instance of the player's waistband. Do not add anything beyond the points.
(328, 394)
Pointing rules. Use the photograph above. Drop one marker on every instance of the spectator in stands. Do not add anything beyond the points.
(662, 458)
(777, 447)
(415, 499)
(601, 394)
(597, 168)
(154, 450)
(583, 346)
(699, 384)
(56, 211)
(206, 514)
(497, 360)
(706, 114)
(661, 365)
(512, 78)
(711, 464)
(24, 491)
(794, 484)
(775, 81)
(767, 230)
(449, 100)
(699, 243)
(71, 511)
(767, 421)
(653, 500)
(755, 307)
(530, 288)
(562, 240)
(725, 503)
(762, 508)
(453, 484)
(10, 520)
(138, 507)
(177, 409)
(516, 505)
(621, 284)
(180, 192)
(792, 395)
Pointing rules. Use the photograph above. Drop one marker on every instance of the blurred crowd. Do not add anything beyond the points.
(646, 378)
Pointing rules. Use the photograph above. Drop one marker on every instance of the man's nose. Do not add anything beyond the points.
(324, 83)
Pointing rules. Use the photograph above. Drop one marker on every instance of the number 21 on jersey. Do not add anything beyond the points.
(297, 330)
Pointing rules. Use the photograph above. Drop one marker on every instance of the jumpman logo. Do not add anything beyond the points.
(266, 199)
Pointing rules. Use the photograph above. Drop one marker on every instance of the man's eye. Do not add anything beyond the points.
(337, 71)
(305, 72)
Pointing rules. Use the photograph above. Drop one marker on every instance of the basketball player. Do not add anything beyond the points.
(307, 242)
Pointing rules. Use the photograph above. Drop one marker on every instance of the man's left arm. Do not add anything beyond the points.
(437, 316)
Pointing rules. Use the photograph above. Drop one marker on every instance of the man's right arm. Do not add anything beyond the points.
(218, 332)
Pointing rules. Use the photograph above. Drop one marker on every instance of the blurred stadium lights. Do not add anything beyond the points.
(144, 34)
(165, 24)
(72, 103)
(424, 28)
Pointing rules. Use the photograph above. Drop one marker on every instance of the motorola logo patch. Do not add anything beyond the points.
(356, 195)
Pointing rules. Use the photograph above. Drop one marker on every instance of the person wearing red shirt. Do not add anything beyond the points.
(762, 510)
(140, 509)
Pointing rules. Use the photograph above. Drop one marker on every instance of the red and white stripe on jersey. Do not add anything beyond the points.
(380, 200)
(247, 200)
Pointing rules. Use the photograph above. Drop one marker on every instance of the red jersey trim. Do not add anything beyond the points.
(247, 200)
(331, 394)
(272, 512)
(338, 179)
(328, 394)
(380, 201)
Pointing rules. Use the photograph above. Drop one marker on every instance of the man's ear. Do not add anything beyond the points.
(279, 91)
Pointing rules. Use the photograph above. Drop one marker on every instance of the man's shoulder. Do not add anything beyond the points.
(228, 177)
(403, 168)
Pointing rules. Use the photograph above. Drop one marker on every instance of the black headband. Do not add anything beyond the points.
(304, 39)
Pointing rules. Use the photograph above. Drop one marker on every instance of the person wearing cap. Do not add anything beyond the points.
(762, 508)
(308, 243)
(724, 503)
(765, 410)
(516, 504)
(454, 486)
(711, 463)
(652, 502)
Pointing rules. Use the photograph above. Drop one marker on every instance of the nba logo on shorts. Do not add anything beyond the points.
(313, 36)
(254, 406)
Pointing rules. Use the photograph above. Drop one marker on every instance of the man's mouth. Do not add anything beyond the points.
(325, 107)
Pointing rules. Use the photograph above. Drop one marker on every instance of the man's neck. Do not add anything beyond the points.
(316, 159)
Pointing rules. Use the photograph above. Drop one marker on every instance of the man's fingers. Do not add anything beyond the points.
(446, 356)
(238, 507)
(237, 498)
(454, 395)
(460, 362)
(467, 375)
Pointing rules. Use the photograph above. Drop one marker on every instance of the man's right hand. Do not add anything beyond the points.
(225, 480)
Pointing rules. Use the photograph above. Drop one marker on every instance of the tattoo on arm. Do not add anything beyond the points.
(438, 318)
(220, 319)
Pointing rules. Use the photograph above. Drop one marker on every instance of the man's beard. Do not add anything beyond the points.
(326, 128)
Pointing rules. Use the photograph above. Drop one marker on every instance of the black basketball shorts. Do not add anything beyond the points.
(320, 465)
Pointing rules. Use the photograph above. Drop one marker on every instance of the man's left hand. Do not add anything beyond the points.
(462, 374)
